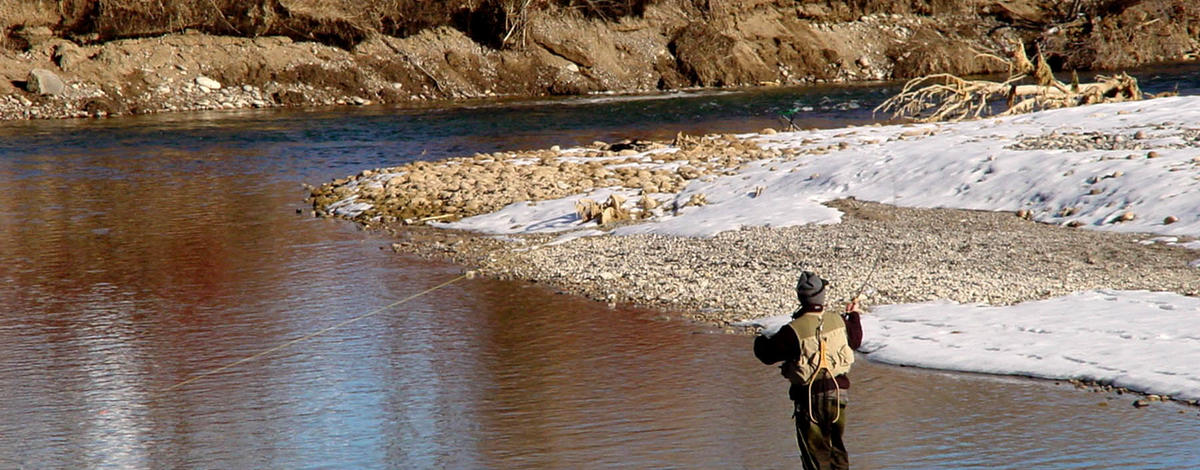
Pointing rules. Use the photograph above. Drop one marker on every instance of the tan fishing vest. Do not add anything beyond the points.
(838, 354)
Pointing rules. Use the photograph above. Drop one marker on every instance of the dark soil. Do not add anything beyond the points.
(315, 52)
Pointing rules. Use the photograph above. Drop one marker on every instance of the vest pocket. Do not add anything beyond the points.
(845, 357)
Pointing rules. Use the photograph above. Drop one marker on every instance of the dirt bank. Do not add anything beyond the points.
(136, 56)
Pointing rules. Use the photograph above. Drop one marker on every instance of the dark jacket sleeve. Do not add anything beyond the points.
(781, 346)
(854, 332)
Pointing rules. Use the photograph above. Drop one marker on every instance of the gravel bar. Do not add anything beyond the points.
(901, 254)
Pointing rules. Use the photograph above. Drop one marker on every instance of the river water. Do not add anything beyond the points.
(142, 252)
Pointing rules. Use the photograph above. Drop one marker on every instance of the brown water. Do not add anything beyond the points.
(138, 253)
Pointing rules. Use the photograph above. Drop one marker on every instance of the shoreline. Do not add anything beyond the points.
(749, 273)
(184, 89)
(170, 57)
(911, 254)
(902, 255)
(722, 294)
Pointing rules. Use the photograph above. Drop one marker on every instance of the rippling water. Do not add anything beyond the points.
(138, 253)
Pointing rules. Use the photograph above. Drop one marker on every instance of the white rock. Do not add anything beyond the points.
(208, 83)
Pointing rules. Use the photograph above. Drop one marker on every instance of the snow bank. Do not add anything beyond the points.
(1011, 163)
(1144, 341)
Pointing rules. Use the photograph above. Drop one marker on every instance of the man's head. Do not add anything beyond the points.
(810, 290)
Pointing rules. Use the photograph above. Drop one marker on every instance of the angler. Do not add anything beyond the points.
(816, 351)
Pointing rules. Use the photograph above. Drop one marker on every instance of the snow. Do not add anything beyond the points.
(968, 165)
(1145, 341)
(555, 215)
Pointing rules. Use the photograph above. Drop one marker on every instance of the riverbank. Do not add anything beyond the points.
(901, 255)
(939, 219)
(135, 59)
(755, 209)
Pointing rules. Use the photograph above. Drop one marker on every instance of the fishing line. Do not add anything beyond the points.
(312, 335)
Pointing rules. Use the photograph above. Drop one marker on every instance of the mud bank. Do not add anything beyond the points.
(121, 57)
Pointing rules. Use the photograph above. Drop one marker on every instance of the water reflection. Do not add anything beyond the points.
(135, 254)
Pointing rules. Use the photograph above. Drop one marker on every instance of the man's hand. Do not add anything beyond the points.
(788, 370)
(854, 307)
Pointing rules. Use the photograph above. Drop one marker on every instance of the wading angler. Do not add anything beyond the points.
(815, 351)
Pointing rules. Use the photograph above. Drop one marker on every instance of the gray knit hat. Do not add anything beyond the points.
(810, 289)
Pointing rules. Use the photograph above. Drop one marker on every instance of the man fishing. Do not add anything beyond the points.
(816, 350)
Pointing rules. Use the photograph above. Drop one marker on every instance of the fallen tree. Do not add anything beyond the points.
(946, 97)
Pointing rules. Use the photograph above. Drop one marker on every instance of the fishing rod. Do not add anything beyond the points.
(787, 118)
(862, 288)
(309, 336)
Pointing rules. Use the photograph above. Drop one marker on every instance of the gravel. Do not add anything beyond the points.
(894, 254)
(900, 254)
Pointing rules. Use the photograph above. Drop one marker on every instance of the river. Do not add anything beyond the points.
(141, 252)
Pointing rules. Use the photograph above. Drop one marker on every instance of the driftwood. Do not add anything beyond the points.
(612, 210)
(946, 97)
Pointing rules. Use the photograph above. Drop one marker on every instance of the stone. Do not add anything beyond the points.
(1170, 219)
(33, 35)
(1152, 154)
(67, 55)
(44, 82)
(207, 83)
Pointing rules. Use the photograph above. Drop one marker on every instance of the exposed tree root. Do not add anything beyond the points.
(946, 97)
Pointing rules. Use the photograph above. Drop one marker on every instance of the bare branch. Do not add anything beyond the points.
(946, 97)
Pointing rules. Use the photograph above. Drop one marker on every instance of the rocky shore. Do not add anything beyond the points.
(900, 254)
(891, 254)
(119, 58)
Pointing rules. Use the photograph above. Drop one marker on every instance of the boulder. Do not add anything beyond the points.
(68, 55)
(208, 83)
(44, 82)
(33, 36)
